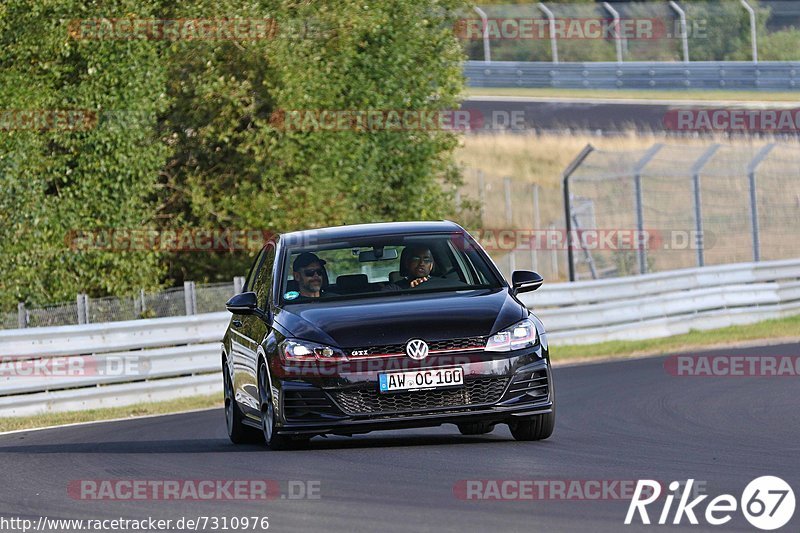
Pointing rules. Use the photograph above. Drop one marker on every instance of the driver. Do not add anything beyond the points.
(416, 264)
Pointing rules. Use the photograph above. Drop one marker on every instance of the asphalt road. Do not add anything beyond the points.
(604, 116)
(616, 421)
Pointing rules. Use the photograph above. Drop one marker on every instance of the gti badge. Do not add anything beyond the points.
(417, 349)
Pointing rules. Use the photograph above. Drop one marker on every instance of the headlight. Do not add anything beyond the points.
(297, 350)
(521, 335)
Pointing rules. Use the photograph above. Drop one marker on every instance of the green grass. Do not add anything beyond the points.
(715, 95)
(770, 330)
(142, 409)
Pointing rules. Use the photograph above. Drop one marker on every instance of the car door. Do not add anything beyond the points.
(247, 332)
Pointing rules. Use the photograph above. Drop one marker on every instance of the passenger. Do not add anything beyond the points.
(309, 273)
(416, 264)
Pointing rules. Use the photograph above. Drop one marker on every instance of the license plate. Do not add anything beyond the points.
(431, 378)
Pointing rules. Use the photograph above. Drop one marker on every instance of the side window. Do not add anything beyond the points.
(263, 281)
(251, 276)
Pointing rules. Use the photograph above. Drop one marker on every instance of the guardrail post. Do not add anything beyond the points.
(698, 209)
(641, 250)
(487, 52)
(684, 34)
(553, 39)
(238, 284)
(189, 298)
(22, 315)
(752, 167)
(588, 149)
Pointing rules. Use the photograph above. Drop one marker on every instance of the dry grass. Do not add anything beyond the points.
(541, 160)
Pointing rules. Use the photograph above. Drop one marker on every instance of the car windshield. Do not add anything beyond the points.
(381, 266)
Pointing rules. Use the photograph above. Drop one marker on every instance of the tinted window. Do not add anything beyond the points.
(382, 266)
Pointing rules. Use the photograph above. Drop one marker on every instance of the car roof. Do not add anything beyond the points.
(336, 233)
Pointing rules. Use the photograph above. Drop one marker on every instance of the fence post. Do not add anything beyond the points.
(684, 34)
(698, 209)
(512, 259)
(553, 40)
(534, 240)
(588, 149)
(752, 167)
(753, 30)
(189, 298)
(641, 250)
(617, 29)
(481, 195)
(82, 302)
(238, 284)
(22, 315)
(487, 51)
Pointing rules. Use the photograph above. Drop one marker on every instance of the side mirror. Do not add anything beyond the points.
(525, 281)
(245, 303)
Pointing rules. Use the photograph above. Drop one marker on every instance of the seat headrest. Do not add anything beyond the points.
(352, 283)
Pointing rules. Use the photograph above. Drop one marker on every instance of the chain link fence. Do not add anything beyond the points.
(643, 31)
(190, 299)
(684, 206)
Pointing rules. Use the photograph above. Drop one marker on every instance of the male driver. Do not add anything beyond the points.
(416, 264)
(309, 274)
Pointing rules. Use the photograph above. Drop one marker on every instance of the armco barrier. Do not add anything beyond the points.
(180, 356)
(767, 75)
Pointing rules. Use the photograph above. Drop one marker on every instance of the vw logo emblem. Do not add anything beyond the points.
(417, 349)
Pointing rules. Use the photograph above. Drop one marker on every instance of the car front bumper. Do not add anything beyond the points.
(497, 388)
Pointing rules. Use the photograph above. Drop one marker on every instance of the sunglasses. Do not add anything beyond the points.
(310, 272)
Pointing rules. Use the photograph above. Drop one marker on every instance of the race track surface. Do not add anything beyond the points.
(623, 420)
(600, 116)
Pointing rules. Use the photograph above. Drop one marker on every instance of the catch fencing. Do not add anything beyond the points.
(693, 206)
(191, 299)
(72, 368)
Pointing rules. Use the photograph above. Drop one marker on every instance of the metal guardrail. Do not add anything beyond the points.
(180, 356)
(767, 75)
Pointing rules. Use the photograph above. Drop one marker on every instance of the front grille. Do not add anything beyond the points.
(308, 405)
(534, 384)
(370, 401)
(467, 343)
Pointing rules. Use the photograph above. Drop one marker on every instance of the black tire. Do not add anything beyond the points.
(475, 428)
(238, 431)
(267, 408)
(538, 427)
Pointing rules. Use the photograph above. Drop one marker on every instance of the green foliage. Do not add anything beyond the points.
(184, 138)
(56, 180)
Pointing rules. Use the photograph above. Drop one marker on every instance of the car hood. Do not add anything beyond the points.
(396, 319)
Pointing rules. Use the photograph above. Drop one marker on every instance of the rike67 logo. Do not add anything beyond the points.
(767, 503)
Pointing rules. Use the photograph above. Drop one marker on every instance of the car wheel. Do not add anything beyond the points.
(238, 432)
(272, 440)
(537, 427)
(475, 428)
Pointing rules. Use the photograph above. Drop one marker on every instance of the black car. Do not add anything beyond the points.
(359, 328)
